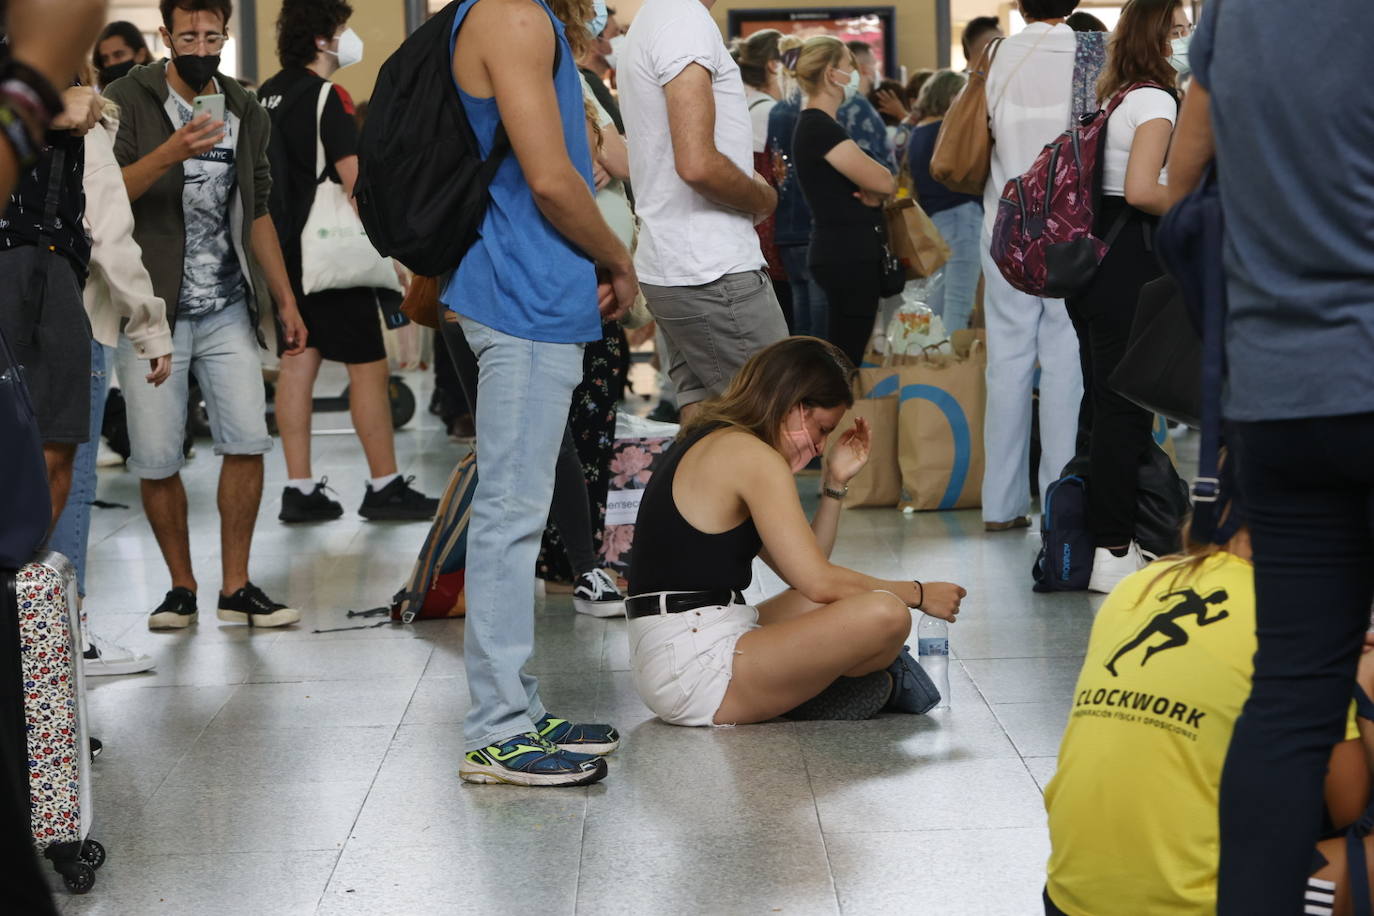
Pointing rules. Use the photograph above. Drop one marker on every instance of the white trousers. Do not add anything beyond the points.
(1023, 331)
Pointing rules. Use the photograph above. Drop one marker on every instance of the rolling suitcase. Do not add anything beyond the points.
(43, 596)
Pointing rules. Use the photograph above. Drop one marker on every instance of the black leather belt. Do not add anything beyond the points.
(655, 604)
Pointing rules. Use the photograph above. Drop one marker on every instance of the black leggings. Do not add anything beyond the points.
(851, 290)
(571, 511)
(1117, 432)
(1308, 488)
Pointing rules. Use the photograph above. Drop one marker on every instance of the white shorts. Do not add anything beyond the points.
(682, 663)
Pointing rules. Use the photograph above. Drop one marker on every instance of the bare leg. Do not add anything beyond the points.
(370, 404)
(797, 652)
(164, 502)
(59, 457)
(295, 390)
(240, 493)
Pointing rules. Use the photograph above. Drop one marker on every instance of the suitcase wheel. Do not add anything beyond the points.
(93, 854)
(78, 876)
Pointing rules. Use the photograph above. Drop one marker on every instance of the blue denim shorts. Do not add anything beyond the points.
(222, 350)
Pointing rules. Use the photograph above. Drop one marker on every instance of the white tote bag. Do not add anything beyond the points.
(335, 250)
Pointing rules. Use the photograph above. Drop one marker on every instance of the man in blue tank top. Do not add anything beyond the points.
(527, 298)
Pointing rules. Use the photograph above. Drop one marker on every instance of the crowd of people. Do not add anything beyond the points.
(728, 202)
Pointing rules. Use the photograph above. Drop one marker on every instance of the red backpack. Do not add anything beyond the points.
(1043, 239)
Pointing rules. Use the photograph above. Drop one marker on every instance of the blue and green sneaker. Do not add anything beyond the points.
(580, 739)
(529, 760)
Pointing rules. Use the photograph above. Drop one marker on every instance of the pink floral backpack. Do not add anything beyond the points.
(1043, 240)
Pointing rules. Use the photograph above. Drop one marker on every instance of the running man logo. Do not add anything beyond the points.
(1166, 624)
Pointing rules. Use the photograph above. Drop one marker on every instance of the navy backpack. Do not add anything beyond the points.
(1065, 563)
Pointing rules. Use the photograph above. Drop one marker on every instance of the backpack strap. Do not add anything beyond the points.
(1207, 487)
(37, 284)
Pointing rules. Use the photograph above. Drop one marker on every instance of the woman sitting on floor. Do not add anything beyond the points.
(726, 495)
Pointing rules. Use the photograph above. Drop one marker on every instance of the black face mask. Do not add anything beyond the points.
(114, 71)
(197, 70)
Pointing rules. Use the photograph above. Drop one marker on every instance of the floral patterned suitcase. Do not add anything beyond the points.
(59, 758)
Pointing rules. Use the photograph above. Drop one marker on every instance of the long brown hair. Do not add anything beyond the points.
(574, 14)
(1136, 51)
(805, 371)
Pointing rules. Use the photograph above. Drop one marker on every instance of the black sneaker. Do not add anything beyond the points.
(397, 501)
(96, 746)
(595, 594)
(313, 507)
(251, 606)
(177, 610)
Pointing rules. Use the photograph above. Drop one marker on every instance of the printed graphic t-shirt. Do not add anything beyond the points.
(1133, 805)
(211, 275)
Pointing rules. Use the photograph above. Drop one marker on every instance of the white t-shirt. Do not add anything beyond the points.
(1139, 106)
(1030, 102)
(685, 239)
(760, 104)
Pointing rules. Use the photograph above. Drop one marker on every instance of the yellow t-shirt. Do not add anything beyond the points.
(1133, 805)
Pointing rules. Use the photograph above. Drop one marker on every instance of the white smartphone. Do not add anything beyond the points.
(213, 105)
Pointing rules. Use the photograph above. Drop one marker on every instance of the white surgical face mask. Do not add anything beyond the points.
(1179, 59)
(350, 49)
(851, 88)
(617, 45)
(599, 17)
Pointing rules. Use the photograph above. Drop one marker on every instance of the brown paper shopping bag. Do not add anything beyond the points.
(880, 482)
(941, 404)
(914, 239)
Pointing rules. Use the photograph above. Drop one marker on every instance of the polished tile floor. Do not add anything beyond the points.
(295, 772)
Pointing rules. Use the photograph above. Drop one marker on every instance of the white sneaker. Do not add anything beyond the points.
(103, 658)
(1109, 569)
(596, 595)
(107, 457)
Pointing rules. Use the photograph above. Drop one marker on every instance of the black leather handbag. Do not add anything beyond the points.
(1162, 368)
(25, 505)
(893, 278)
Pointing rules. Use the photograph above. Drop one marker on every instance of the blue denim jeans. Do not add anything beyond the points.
(74, 525)
(953, 299)
(810, 313)
(524, 392)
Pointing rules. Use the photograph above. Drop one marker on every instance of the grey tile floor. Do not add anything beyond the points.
(289, 772)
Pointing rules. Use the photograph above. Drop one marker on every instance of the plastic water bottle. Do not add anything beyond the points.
(932, 636)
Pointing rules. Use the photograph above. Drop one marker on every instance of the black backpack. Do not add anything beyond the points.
(422, 184)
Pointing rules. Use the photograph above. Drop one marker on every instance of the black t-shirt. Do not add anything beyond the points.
(291, 99)
(24, 215)
(933, 196)
(843, 228)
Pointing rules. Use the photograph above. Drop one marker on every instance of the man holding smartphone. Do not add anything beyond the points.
(200, 201)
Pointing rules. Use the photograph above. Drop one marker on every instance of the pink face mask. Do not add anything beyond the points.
(798, 447)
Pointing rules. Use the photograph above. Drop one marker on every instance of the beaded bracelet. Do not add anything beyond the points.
(28, 104)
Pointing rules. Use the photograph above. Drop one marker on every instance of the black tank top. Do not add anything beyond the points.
(669, 555)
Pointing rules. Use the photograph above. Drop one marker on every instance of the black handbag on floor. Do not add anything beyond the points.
(1162, 368)
(25, 504)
